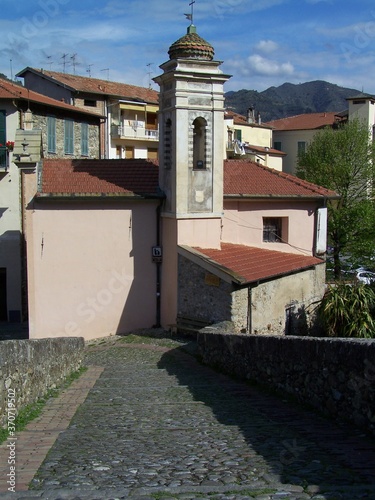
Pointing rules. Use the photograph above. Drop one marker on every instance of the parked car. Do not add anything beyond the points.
(366, 277)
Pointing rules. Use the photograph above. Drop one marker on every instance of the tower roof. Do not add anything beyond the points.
(191, 46)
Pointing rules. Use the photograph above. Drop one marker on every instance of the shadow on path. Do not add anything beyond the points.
(298, 446)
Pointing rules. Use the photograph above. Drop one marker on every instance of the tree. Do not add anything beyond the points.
(343, 159)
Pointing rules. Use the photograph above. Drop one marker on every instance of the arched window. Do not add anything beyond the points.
(199, 143)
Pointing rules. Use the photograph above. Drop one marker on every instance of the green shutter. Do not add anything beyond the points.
(69, 137)
(84, 139)
(51, 131)
(3, 136)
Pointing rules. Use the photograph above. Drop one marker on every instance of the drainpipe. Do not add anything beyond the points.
(158, 267)
(249, 302)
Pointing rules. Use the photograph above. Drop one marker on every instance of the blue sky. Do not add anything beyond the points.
(263, 43)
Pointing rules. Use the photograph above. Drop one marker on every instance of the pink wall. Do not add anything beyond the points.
(90, 269)
(243, 224)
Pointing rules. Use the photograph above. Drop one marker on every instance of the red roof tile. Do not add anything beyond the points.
(242, 120)
(9, 90)
(250, 264)
(247, 178)
(308, 121)
(99, 177)
(97, 86)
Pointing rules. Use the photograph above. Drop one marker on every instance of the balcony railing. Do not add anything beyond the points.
(135, 132)
(3, 159)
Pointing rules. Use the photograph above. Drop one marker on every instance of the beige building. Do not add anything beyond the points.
(116, 245)
(130, 125)
(292, 135)
(247, 137)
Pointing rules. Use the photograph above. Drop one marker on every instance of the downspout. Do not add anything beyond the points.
(249, 310)
(158, 266)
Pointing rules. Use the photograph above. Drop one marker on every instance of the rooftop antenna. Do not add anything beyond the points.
(149, 75)
(73, 58)
(64, 56)
(11, 69)
(89, 69)
(107, 70)
(190, 16)
(49, 62)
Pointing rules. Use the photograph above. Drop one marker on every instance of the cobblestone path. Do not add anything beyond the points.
(158, 425)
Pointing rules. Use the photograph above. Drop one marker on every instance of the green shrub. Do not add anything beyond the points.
(347, 310)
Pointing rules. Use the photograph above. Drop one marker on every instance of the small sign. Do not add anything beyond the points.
(157, 255)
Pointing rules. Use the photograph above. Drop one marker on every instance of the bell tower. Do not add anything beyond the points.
(191, 150)
(191, 153)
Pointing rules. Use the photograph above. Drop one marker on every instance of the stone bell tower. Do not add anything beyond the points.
(191, 153)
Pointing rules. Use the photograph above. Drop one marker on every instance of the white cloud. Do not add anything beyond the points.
(262, 66)
(266, 46)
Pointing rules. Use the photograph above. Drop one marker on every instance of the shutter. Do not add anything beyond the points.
(3, 135)
(84, 139)
(69, 139)
(51, 134)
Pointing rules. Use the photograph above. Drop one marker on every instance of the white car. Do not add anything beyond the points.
(366, 277)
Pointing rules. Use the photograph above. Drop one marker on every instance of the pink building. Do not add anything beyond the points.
(117, 245)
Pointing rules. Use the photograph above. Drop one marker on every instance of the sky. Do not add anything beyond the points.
(262, 43)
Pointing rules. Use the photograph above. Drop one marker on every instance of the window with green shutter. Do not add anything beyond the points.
(69, 137)
(3, 138)
(84, 139)
(51, 134)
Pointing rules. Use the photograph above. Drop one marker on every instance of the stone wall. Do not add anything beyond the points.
(284, 305)
(335, 376)
(30, 368)
(40, 122)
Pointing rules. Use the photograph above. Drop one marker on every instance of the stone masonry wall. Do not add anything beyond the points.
(40, 122)
(336, 376)
(30, 368)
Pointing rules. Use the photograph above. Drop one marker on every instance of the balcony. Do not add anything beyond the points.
(134, 130)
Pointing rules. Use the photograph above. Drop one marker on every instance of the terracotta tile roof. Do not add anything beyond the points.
(251, 264)
(308, 121)
(247, 178)
(97, 86)
(9, 90)
(263, 150)
(242, 120)
(99, 177)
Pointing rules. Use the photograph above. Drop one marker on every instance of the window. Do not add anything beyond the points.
(51, 134)
(238, 135)
(277, 145)
(301, 147)
(3, 135)
(199, 144)
(69, 137)
(90, 103)
(84, 139)
(275, 229)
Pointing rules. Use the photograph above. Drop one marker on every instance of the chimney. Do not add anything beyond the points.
(259, 119)
(250, 115)
(28, 120)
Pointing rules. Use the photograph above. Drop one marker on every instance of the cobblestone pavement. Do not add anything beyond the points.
(158, 425)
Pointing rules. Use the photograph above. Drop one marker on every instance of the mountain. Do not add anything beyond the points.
(289, 99)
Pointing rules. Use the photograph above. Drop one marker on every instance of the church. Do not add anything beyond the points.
(189, 239)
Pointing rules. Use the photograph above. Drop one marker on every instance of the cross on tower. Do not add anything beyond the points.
(191, 16)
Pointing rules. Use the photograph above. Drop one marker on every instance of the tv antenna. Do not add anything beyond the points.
(149, 72)
(64, 56)
(191, 15)
(107, 70)
(73, 58)
(89, 69)
(11, 69)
